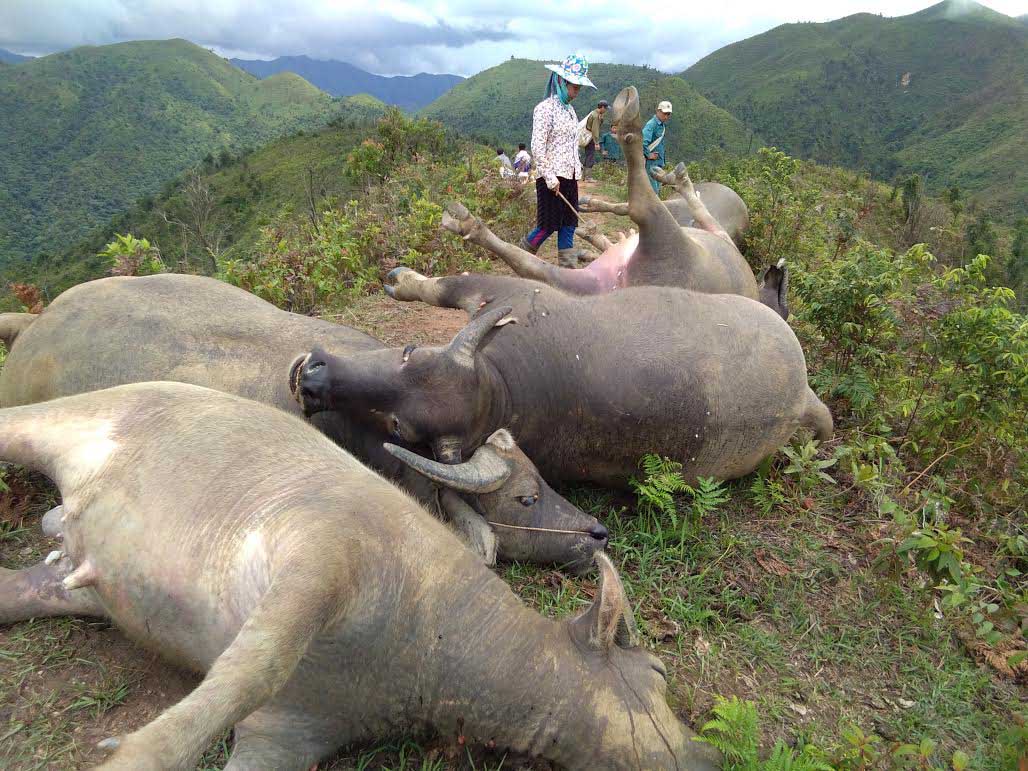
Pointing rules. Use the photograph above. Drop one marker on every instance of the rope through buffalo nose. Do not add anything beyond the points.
(541, 529)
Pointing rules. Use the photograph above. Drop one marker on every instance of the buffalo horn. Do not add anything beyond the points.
(483, 473)
(462, 348)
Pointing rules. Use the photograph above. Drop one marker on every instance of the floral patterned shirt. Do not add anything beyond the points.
(555, 140)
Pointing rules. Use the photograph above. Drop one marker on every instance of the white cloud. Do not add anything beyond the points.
(393, 36)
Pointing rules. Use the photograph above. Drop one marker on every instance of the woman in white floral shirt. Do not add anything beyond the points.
(558, 168)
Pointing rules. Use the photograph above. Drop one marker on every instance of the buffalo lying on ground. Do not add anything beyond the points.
(201, 331)
(723, 204)
(663, 253)
(325, 606)
(587, 385)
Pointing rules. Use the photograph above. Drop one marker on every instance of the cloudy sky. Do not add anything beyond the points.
(460, 36)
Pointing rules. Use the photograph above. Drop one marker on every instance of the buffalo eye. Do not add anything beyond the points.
(394, 428)
(528, 500)
(407, 351)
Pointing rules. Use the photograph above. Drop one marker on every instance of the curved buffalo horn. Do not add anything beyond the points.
(462, 348)
(484, 473)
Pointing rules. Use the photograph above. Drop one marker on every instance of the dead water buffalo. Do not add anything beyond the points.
(587, 385)
(723, 204)
(663, 253)
(325, 606)
(197, 330)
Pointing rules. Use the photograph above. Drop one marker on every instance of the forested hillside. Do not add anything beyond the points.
(85, 133)
(940, 93)
(408, 92)
(496, 106)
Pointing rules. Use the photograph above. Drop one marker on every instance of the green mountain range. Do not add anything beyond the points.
(86, 132)
(495, 105)
(408, 92)
(940, 92)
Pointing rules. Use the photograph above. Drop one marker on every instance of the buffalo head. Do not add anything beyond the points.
(530, 520)
(435, 395)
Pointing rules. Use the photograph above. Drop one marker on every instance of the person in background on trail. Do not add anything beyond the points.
(653, 139)
(506, 167)
(609, 146)
(594, 125)
(522, 160)
(555, 148)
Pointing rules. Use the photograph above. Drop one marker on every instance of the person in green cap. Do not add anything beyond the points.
(654, 142)
(555, 148)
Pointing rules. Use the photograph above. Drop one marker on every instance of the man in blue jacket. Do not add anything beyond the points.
(654, 139)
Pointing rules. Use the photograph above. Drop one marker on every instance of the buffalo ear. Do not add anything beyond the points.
(502, 440)
(464, 345)
(608, 621)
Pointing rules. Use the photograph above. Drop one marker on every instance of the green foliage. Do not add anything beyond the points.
(663, 480)
(937, 549)
(86, 132)
(780, 210)
(131, 256)
(735, 732)
(659, 496)
(936, 93)
(365, 164)
(301, 267)
(805, 467)
(767, 494)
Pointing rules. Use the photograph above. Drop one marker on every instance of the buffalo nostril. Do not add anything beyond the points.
(599, 532)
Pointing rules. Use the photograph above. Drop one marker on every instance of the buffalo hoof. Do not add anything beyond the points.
(626, 112)
(405, 284)
(110, 744)
(457, 219)
(458, 210)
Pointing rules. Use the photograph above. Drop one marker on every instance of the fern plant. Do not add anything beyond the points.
(658, 497)
(767, 494)
(656, 492)
(734, 732)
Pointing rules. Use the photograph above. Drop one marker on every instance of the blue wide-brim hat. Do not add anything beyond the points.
(574, 69)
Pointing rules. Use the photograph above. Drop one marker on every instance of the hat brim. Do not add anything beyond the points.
(579, 80)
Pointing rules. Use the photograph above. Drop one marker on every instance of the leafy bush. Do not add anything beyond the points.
(304, 267)
(131, 256)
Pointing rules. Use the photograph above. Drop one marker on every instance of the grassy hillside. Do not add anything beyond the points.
(496, 104)
(940, 92)
(408, 92)
(86, 132)
(697, 126)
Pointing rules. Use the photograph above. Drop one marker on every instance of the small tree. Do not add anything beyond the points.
(131, 256)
